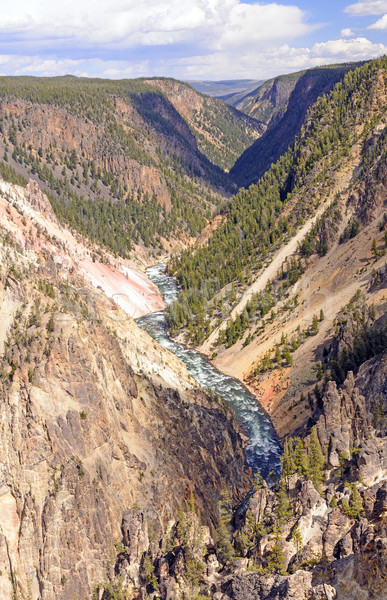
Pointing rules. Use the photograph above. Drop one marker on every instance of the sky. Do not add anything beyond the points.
(186, 39)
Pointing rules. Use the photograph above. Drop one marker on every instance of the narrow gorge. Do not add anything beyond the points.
(193, 399)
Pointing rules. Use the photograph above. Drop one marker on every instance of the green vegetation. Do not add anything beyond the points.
(90, 184)
(232, 131)
(225, 545)
(255, 224)
(9, 174)
(357, 339)
(354, 507)
(261, 104)
(301, 457)
(292, 99)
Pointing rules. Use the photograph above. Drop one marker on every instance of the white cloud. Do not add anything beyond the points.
(363, 8)
(380, 24)
(36, 65)
(262, 24)
(346, 32)
(252, 63)
(347, 50)
(266, 64)
(129, 23)
(212, 39)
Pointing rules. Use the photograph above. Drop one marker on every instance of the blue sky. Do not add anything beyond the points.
(186, 39)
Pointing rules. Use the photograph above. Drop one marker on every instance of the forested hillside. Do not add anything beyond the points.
(261, 219)
(282, 103)
(269, 99)
(222, 132)
(123, 479)
(118, 161)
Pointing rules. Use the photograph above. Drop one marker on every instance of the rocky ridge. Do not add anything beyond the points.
(96, 420)
(332, 541)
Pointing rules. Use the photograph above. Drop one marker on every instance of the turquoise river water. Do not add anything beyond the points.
(263, 452)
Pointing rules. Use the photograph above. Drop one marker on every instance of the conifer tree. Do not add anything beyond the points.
(287, 463)
(297, 538)
(278, 356)
(288, 357)
(300, 458)
(224, 538)
(316, 460)
(374, 249)
(314, 325)
(283, 504)
(319, 370)
(355, 506)
(276, 561)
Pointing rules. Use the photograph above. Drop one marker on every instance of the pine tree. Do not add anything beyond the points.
(283, 504)
(300, 458)
(319, 370)
(297, 538)
(314, 325)
(316, 460)
(278, 356)
(226, 548)
(258, 481)
(287, 463)
(276, 561)
(245, 539)
(355, 506)
(288, 357)
(374, 249)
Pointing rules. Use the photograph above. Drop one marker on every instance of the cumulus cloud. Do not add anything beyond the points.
(214, 39)
(37, 65)
(380, 24)
(128, 23)
(348, 50)
(274, 61)
(363, 8)
(258, 63)
(94, 67)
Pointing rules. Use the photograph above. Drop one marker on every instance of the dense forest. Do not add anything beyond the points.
(117, 160)
(283, 103)
(259, 219)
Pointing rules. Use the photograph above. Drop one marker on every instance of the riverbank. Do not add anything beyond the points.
(264, 450)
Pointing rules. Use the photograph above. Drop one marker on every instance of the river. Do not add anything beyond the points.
(263, 452)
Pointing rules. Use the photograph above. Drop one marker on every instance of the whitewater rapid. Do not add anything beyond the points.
(263, 451)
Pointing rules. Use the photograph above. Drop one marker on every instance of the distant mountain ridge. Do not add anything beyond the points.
(224, 88)
(282, 104)
(222, 132)
(268, 99)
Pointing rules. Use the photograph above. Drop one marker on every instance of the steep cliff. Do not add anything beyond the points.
(282, 103)
(119, 162)
(269, 100)
(320, 533)
(302, 258)
(222, 132)
(96, 422)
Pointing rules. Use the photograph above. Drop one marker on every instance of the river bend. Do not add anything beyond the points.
(263, 451)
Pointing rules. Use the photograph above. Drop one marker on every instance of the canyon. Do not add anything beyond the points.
(121, 477)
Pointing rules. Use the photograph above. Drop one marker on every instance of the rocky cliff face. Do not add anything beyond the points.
(96, 420)
(269, 100)
(332, 543)
(102, 148)
(222, 132)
